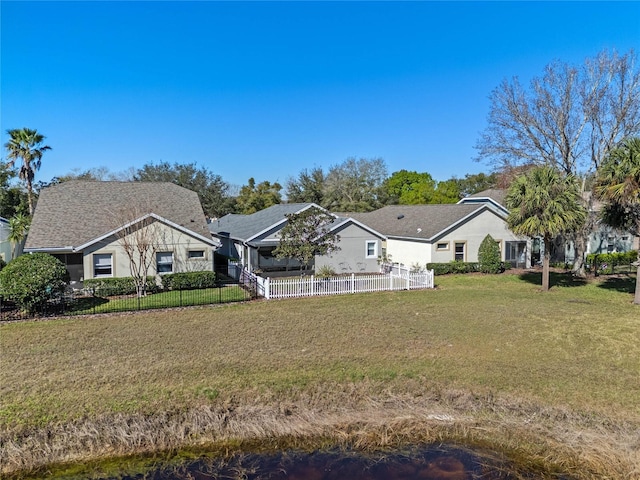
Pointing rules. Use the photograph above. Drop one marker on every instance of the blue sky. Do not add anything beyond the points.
(264, 90)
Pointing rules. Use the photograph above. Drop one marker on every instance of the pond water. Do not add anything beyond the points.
(437, 463)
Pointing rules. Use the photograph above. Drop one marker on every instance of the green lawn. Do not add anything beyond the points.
(172, 298)
(568, 360)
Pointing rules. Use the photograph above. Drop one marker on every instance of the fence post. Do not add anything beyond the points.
(267, 286)
(313, 286)
(353, 283)
(408, 280)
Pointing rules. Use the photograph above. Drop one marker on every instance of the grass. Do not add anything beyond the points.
(169, 299)
(548, 378)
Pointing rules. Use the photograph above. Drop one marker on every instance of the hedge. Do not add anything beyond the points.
(606, 262)
(188, 280)
(119, 285)
(453, 267)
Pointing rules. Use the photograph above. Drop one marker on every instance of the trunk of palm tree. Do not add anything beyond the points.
(546, 261)
(30, 198)
(636, 297)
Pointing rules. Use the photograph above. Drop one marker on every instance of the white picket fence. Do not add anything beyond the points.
(313, 286)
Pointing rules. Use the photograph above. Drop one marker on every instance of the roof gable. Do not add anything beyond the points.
(76, 213)
(248, 227)
(421, 222)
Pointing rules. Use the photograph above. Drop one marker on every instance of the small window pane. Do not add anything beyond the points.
(196, 253)
(459, 252)
(164, 262)
(372, 249)
(102, 265)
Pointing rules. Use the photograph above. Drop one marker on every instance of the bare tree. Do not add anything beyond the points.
(355, 185)
(570, 118)
(138, 234)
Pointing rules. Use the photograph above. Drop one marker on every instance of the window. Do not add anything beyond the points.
(164, 262)
(442, 246)
(102, 265)
(459, 256)
(196, 254)
(372, 249)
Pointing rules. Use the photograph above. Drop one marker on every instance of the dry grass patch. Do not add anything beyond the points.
(538, 373)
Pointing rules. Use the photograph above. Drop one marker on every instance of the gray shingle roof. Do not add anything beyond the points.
(76, 212)
(415, 221)
(244, 227)
(495, 194)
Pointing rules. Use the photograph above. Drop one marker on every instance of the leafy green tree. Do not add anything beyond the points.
(308, 186)
(306, 235)
(255, 197)
(13, 198)
(489, 256)
(26, 145)
(18, 229)
(446, 192)
(476, 182)
(211, 189)
(32, 280)
(356, 185)
(409, 188)
(545, 202)
(618, 184)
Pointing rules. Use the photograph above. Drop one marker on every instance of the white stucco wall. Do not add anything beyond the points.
(408, 252)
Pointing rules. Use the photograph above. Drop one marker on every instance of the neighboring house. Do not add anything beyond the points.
(603, 239)
(5, 244)
(249, 240)
(86, 225)
(421, 234)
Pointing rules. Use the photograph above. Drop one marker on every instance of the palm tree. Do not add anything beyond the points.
(544, 202)
(18, 228)
(618, 184)
(26, 145)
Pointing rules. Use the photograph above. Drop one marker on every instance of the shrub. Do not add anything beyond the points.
(489, 256)
(453, 267)
(605, 263)
(119, 285)
(32, 280)
(188, 280)
(325, 271)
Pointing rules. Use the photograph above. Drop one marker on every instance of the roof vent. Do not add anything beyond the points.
(419, 229)
(400, 216)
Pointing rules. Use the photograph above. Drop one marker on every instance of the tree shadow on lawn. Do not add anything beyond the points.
(556, 279)
(620, 283)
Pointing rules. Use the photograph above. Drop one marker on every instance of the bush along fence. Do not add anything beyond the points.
(309, 286)
(611, 263)
(119, 295)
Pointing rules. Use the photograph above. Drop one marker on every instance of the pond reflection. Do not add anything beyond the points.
(430, 464)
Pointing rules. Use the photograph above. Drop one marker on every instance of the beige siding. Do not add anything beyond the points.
(168, 240)
(471, 233)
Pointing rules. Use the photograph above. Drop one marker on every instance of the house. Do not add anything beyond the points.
(90, 225)
(5, 245)
(603, 239)
(250, 240)
(421, 234)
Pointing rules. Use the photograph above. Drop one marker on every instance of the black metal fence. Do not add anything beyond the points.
(93, 301)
